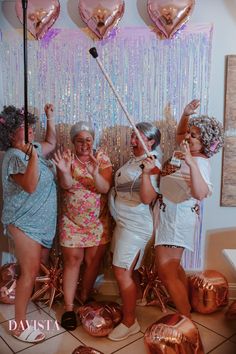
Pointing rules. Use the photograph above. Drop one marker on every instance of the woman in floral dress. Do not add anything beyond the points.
(85, 179)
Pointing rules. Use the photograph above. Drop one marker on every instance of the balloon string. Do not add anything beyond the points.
(123, 107)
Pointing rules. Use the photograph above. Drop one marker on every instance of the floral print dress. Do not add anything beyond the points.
(84, 220)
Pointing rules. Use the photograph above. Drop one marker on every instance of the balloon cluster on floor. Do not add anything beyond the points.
(103, 16)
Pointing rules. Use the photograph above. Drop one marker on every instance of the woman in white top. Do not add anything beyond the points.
(134, 223)
(182, 188)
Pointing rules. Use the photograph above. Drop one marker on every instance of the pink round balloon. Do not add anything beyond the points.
(170, 15)
(96, 319)
(101, 16)
(41, 15)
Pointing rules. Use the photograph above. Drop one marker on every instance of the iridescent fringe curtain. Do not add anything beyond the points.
(155, 78)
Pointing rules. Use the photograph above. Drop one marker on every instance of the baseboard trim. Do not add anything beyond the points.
(109, 287)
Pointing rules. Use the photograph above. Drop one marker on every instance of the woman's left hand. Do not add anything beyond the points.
(92, 166)
(187, 156)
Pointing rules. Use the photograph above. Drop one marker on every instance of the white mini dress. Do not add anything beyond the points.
(179, 214)
(134, 222)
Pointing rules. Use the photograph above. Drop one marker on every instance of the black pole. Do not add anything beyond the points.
(24, 8)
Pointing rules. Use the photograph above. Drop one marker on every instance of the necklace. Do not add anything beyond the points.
(82, 163)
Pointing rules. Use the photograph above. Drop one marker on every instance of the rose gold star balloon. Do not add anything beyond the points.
(154, 292)
(173, 334)
(41, 15)
(49, 285)
(8, 276)
(101, 16)
(170, 15)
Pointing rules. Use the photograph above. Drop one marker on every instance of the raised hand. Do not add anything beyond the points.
(92, 166)
(63, 160)
(49, 110)
(191, 107)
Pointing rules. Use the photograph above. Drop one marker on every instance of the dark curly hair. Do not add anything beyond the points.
(212, 133)
(12, 118)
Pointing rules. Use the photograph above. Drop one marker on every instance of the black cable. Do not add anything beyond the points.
(24, 8)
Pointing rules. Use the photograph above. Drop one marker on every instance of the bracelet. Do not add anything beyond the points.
(50, 119)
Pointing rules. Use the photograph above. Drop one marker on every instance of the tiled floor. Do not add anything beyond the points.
(218, 335)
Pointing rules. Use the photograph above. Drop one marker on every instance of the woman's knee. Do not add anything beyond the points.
(73, 260)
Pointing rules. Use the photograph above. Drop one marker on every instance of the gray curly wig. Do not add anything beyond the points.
(12, 118)
(212, 133)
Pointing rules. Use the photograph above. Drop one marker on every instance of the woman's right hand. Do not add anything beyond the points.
(63, 160)
(149, 164)
(191, 107)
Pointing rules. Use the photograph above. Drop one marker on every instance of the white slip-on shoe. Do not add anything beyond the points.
(122, 332)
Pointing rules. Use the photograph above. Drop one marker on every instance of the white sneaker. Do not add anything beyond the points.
(122, 332)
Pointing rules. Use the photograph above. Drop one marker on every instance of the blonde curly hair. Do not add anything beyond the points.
(211, 132)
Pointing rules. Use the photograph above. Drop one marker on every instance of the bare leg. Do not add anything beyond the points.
(72, 258)
(128, 292)
(93, 257)
(29, 267)
(168, 268)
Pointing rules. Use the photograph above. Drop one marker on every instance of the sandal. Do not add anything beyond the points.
(30, 335)
(69, 321)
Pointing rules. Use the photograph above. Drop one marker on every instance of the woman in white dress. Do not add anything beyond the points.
(134, 223)
(182, 188)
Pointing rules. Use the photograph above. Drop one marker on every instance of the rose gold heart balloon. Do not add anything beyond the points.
(41, 15)
(170, 15)
(101, 16)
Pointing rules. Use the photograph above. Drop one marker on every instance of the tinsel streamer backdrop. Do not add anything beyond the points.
(152, 76)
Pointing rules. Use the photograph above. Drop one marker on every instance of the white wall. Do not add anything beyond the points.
(222, 13)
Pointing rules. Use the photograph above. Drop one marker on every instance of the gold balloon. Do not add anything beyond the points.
(170, 15)
(173, 334)
(85, 350)
(101, 16)
(208, 291)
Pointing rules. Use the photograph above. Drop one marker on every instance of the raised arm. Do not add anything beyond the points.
(183, 123)
(28, 180)
(49, 143)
